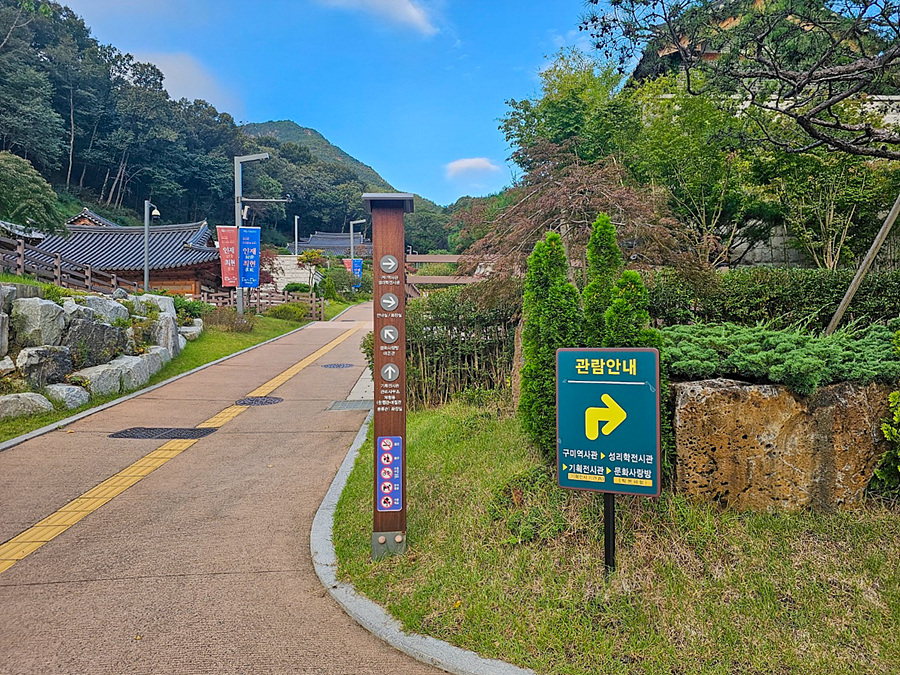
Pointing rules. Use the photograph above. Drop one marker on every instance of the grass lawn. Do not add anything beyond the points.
(334, 308)
(505, 563)
(212, 344)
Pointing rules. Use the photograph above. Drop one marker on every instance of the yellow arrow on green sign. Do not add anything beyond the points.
(612, 414)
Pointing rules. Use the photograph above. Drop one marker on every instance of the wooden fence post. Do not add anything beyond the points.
(89, 278)
(57, 269)
(20, 257)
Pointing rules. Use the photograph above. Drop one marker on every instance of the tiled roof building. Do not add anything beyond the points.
(182, 257)
(334, 243)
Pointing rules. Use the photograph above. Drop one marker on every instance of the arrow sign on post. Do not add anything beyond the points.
(612, 414)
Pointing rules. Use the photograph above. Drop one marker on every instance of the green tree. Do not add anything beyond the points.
(25, 197)
(553, 320)
(628, 318)
(687, 147)
(604, 264)
(798, 66)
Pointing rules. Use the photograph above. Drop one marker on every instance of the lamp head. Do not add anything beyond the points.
(155, 214)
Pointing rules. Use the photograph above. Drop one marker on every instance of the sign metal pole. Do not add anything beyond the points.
(389, 489)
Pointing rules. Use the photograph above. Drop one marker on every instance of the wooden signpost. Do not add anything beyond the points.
(389, 288)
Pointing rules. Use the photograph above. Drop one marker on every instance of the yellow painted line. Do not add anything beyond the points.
(42, 533)
(281, 379)
(222, 418)
(76, 510)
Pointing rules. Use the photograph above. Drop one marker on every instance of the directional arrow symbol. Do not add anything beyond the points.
(608, 471)
(565, 467)
(389, 301)
(612, 414)
(390, 334)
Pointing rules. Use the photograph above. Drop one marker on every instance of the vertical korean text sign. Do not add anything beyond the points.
(228, 254)
(249, 255)
(608, 420)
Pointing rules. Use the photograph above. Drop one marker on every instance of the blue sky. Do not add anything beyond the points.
(413, 88)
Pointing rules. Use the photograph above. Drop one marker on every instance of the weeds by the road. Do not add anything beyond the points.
(505, 563)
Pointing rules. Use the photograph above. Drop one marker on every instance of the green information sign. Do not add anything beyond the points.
(607, 407)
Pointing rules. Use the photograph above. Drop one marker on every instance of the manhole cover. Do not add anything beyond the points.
(259, 400)
(167, 433)
(338, 365)
(352, 405)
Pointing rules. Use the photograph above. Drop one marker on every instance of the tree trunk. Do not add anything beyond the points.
(71, 137)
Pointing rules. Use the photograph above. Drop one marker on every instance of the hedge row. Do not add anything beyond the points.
(781, 297)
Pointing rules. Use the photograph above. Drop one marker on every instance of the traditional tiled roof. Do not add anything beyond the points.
(119, 249)
(21, 232)
(335, 243)
(92, 218)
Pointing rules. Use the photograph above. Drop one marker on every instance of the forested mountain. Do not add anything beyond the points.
(102, 129)
(287, 131)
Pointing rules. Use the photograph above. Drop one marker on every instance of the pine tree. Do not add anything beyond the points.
(604, 265)
(553, 320)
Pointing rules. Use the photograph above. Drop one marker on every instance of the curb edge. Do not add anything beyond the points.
(372, 616)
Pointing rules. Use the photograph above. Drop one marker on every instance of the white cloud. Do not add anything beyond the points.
(409, 13)
(471, 168)
(187, 78)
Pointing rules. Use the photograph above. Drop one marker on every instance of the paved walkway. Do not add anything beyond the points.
(201, 563)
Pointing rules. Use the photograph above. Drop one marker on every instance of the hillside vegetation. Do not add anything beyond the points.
(100, 127)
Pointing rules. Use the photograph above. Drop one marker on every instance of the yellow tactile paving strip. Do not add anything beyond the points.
(54, 525)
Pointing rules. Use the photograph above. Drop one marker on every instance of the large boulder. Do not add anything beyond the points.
(763, 448)
(108, 309)
(4, 334)
(100, 380)
(164, 304)
(17, 405)
(190, 333)
(37, 322)
(135, 371)
(75, 311)
(69, 395)
(41, 366)
(7, 366)
(162, 352)
(93, 343)
(165, 334)
(154, 362)
(8, 294)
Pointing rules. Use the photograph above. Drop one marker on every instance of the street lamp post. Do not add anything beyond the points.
(148, 214)
(238, 207)
(352, 223)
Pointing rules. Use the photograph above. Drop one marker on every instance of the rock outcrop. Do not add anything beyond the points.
(762, 448)
(108, 309)
(37, 322)
(16, 405)
(68, 395)
(40, 366)
(93, 343)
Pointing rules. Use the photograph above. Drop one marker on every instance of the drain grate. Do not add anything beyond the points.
(352, 405)
(338, 365)
(259, 400)
(167, 433)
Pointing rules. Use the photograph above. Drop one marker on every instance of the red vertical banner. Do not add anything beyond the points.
(228, 253)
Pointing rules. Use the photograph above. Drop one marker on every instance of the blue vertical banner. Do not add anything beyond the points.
(248, 253)
(357, 271)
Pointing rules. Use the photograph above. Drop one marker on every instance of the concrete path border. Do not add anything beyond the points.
(372, 616)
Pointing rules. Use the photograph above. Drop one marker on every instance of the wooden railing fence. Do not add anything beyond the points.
(20, 258)
(261, 300)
